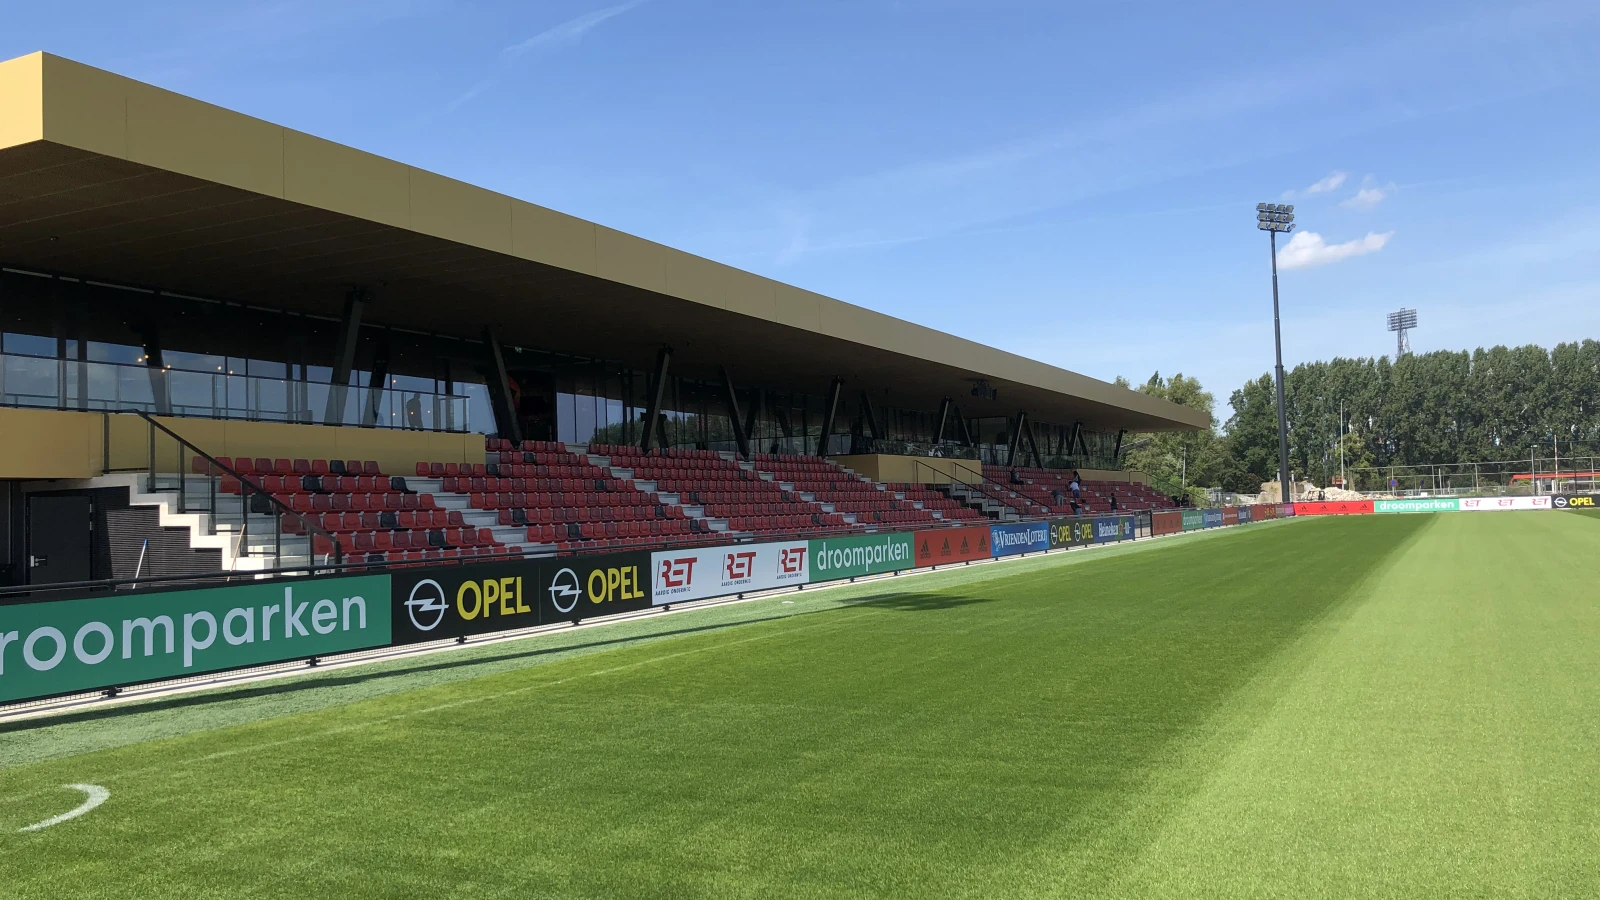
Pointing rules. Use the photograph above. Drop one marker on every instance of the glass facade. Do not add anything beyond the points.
(72, 344)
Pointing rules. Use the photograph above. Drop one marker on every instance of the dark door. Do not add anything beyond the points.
(59, 538)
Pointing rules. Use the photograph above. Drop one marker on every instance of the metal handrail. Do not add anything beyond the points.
(247, 488)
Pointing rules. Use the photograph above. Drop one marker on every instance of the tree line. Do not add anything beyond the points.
(1443, 407)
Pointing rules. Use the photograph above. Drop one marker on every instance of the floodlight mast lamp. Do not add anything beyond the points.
(1274, 219)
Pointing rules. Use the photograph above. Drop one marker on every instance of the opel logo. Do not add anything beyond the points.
(1561, 502)
(426, 605)
(565, 587)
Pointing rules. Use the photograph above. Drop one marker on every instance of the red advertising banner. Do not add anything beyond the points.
(948, 545)
(1166, 522)
(1230, 515)
(1334, 508)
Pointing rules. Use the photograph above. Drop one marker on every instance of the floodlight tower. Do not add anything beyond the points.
(1277, 219)
(1399, 323)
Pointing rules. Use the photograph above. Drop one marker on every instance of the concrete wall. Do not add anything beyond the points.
(913, 469)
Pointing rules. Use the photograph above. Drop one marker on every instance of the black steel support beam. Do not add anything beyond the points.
(944, 416)
(1016, 438)
(658, 393)
(872, 417)
(1033, 444)
(344, 360)
(782, 415)
(150, 335)
(1072, 442)
(500, 396)
(966, 429)
(1116, 451)
(740, 436)
(828, 414)
(758, 411)
(377, 381)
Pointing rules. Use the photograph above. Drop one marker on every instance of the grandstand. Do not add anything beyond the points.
(228, 345)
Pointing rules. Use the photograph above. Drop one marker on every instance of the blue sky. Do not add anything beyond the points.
(1072, 182)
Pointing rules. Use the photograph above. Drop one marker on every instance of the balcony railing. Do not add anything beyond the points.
(47, 383)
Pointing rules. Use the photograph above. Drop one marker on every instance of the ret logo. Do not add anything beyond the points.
(739, 566)
(676, 573)
(426, 605)
(564, 587)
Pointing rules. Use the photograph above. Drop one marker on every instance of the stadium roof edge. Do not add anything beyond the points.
(95, 131)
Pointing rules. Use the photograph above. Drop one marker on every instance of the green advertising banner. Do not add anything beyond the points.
(1422, 504)
(79, 645)
(871, 554)
(1193, 520)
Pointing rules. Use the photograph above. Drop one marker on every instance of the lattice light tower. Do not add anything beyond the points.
(1400, 323)
(1276, 219)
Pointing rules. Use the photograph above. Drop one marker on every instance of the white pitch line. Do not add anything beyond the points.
(96, 795)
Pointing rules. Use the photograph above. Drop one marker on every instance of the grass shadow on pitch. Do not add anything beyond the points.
(921, 602)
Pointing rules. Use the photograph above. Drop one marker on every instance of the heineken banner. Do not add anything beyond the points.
(1007, 540)
(63, 646)
(870, 554)
(1420, 504)
(1113, 528)
(1575, 501)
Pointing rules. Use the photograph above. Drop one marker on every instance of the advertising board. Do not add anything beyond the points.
(1193, 520)
(454, 601)
(678, 576)
(1285, 510)
(1504, 504)
(1169, 522)
(63, 646)
(1113, 528)
(1575, 501)
(1417, 505)
(1244, 514)
(1019, 537)
(1263, 511)
(1071, 533)
(1334, 508)
(947, 545)
(867, 554)
(1230, 515)
(1211, 518)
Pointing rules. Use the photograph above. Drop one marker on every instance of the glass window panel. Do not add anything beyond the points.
(29, 344)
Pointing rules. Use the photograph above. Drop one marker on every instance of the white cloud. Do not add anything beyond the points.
(1307, 249)
(1330, 183)
(1370, 195)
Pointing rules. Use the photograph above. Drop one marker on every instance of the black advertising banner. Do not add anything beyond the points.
(589, 586)
(1071, 533)
(452, 601)
(1576, 501)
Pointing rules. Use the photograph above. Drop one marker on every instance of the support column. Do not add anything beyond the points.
(1116, 451)
(966, 430)
(344, 360)
(500, 398)
(944, 416)
(828, 414)
(740, 436)
(377, 382)
(658, 392)
(1072, 442)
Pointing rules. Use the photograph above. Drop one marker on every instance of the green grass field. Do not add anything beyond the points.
(1391, 706)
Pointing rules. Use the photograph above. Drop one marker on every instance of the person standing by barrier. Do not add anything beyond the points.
(1113, 501)
(1077, 487)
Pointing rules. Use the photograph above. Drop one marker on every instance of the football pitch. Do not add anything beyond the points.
(1384, 706)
